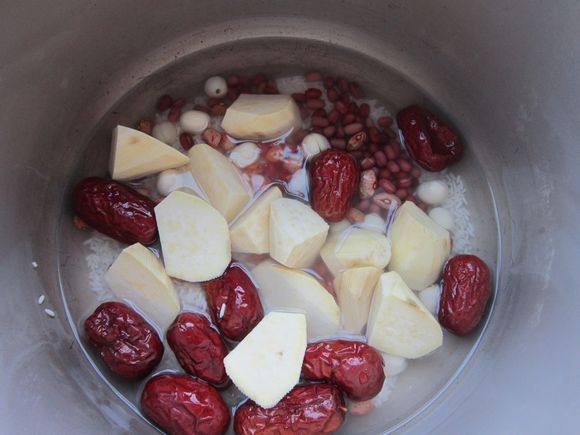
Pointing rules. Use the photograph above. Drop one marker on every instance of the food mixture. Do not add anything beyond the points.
(286, 239)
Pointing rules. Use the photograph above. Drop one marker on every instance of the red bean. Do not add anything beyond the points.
(380, 158)
(385, 121)
(393, 167)
(329, 131)
(364, 204)
(405, 165)
(319, 112)
(402, 193)
(175, 111)
(299, 98)
(313, 93)
(328, 82)
(373, 147)
(332, 95)
(416, 172)
(364, 110)
(313, 76)
(259, 79)
(340, 132)
(304, 112)
(370, 123)
(374, 135)
(385, 173)
(146, 126)
(343, 84)
(367, 163)
(351, 129)
(333, 116)
(387, 185)
(338, 143)
(341, 107)
(319, 121)
(317, 130)
(349, 118)
(315, 104)
(405, 182)
(233, 80)
(400, 175)
(397, 148)
(353, 108)
(164, 102)
(356, 90)
(390, 152)
(186, 141)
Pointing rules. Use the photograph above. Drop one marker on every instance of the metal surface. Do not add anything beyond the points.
(506, 72)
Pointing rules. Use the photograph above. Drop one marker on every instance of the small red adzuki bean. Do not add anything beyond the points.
(370, 123)
(364, 110)
(319, 121)
(146, 126)
(329, 131)
(380, 158)
(314, 104)
(299, 98)
(338, 143)
(405, 165)
(416, 172)
(348, 119)
(186, 141)
(390, 152)
(340, 132)
(384, 173)
(356, 90)
(233, 80)
(373, 148)
(387, 186)
(332, 95)
(353, 108)
(353, 128)
(164, 102)
(320, 112)
(405, 182)
(374, 135)
(333, 116)
(313, 76)
(367, 163)
(402, 193)
(341, 107)
(393, 167)
(328, 82)
(343, 84)
(385, 121)
(313, 93)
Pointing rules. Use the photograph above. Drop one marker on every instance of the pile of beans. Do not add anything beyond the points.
(388, 176)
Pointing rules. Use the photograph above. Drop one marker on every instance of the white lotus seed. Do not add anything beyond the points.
(245, 154)
(443, 217)
(194, 121)
(313, 144)
(216, 87)
(166, 132)
(433, 192)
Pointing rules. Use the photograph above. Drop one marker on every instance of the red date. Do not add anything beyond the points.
(116, 210)
(334, 178)
(355, 367)
(431, 142)
(465, 293)
(128, 345)
(199, 348)
(234, 303)
(308, 409)
(182, 405)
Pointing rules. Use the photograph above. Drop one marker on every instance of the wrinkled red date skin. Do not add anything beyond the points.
(116, 210)
(236, 292)
(355, 367)
(466, 291)
(431, 142)
(128, 345)
(308, 409)
(182, 405)
(334, 177)
(199, 348)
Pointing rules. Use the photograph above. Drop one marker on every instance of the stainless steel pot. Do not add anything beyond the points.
(505, 72)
